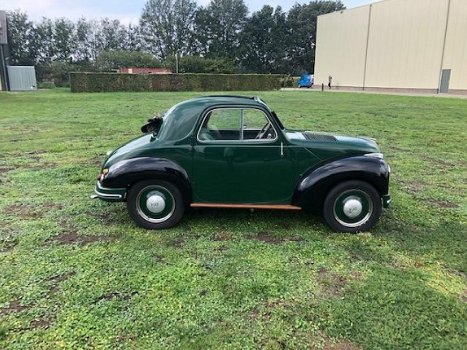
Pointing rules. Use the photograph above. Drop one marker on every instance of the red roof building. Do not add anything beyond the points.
(144, 70)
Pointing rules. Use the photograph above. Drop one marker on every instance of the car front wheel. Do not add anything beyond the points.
(352, 206)
(155, 204)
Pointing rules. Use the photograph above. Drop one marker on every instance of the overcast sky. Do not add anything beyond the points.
(127, 11)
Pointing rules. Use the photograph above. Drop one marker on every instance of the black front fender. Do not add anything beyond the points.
(125, 173)
(318, 181)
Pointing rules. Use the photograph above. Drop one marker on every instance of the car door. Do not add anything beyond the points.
(240, 157)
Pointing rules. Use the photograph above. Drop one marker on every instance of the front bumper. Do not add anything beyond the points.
(109, 194)
(386, 200)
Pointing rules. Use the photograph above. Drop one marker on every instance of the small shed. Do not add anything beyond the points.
(22, 78)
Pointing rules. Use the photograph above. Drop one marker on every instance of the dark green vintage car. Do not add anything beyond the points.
(234, 152)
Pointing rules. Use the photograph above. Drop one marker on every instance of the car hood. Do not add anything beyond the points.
(326, 145)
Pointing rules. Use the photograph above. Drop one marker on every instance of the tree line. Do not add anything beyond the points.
(218, 38)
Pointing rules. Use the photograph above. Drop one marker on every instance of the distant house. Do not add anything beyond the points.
(144, 70)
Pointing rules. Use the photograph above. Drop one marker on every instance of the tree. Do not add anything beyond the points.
(302, 20)
(167, 26)
(21, 39)
(264, 41)
(220, 26)
(82, 41)
(110, 60)
(64, 39)
(44, 39)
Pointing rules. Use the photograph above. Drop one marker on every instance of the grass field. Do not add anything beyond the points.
(77, 273)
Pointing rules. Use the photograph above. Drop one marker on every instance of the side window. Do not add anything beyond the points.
(235, 124)
(221, 124)
(225, 119)
(256, 126)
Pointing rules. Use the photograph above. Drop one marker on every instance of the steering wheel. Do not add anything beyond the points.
(264, 130)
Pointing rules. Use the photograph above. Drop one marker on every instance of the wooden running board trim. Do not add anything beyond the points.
(245, 206)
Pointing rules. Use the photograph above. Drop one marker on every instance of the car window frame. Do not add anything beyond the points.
(240, 140)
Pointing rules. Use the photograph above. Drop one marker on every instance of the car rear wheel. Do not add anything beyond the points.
(352, 206)
(155, 205)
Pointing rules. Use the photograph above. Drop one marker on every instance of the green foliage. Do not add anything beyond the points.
(111, 60)
(289, 81)
(218, 27)
(268, 41)
(46, 84)
(59, 72)
(21, 39)
(109, 82)
(77, 273)
(198, 64)
(302, 21)
(265, 42)
(167, 26)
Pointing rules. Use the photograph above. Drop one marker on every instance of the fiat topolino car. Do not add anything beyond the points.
(234, 152)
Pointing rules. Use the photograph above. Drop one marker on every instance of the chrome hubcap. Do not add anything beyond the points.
(155, 203)
(352, 207)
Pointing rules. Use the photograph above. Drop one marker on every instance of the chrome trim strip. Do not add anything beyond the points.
(108, 195)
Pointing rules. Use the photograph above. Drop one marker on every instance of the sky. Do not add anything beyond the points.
(127, 11)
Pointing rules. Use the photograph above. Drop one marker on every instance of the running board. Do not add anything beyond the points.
(246, 206)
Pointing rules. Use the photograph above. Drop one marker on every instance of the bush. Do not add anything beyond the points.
(59, 72)
(46, 85)
(198, 64)
(112, 60)
(108, 82)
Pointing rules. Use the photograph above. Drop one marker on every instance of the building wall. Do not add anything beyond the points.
(394, 44)
(333, 44)
(455, 53)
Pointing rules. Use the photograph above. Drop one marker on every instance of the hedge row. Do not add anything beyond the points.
(107, 82)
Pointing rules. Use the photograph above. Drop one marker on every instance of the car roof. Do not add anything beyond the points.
(231, 99)
(183, 116)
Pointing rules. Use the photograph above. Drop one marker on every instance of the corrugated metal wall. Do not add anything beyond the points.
(394, 44)
(22, 78)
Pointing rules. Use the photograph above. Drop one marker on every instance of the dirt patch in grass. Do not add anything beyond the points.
(24, 211)
(268, 237)
(57, 279)
(14, 306)
(177, 242)
(340, 345)
(442, 204)
(39, 323)
(8, 243)
(116, 295)
(28, 211)
(413, 187)
(72, 237)
(439, 163)
(5, 169)
(332, 284)
(464, 296)
(222, 236)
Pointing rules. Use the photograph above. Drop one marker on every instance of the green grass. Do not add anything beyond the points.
(77, 273)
